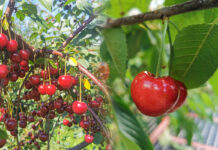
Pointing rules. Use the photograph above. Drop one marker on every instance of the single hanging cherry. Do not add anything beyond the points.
(3, 41)
(12, 46)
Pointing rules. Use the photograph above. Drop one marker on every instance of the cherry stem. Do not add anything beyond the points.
(158, 69)
(65, 71)
(80, 86)
(1, 25)
(49, 77)
(171, 48)
(8, 28)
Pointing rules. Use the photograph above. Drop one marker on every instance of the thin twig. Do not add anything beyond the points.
(79, 146)
(18, 102)
(100, 122)
(77, 31)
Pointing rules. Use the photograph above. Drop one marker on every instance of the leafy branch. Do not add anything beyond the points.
(189, 6)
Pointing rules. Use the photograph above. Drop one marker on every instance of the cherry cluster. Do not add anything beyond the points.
(40, 88)
(19, 60)
(155, 96)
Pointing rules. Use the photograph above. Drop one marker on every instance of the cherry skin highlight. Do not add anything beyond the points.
(65, 81)
(50, 89)
(153, 96)
(65, 122)
(34, 79)
(79, 107)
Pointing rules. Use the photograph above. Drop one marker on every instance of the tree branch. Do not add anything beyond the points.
(99, 121)
(79, 146)
(10, 9)
(189, 6)
(77, 31)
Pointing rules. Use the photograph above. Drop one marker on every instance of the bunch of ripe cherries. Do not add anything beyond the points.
(45, 82)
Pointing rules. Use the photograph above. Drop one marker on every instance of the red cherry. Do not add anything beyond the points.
(65, 122)
(22, 73)
(24, 54)
(34, 79)
(57, 105)
(28, 85)
(15, 57)
(31, 119)
(153, 96)
(3, 41)
(14, 67)
(99, 99)
(54, 82)
(182, 96)
(84, 124)
(68, 109)
(44, 74)
(11, 124)
(2, 142)
(43, 136)
(50, 89)
(52, 115)
(24, 63)
(89, 138)
(42, 89)
(54, 71)
(79, 107)
(12, 46)
(25, 68)
(3, 71)
(69, 124)
(74, 80)
(13, 76)
(65, 81)
(95, 104)
(108, 147)
(22, 124)
(5, 81)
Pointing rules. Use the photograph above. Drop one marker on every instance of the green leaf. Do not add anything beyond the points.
(29, 9)
(58, 17)
(126, 144)
(129, 125)
(3, 134)
(52, 63)
(33, 35)
(183, 20)
(40, 61)
(170, 2)
(2, 2)
(210, 15)
(104, 52)
(116, 44)
(122, 7)
(213, 81)
(136, 39)
(20, 15)
(98, 138)
(195, 54)
(68, 2)
(47, 4)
